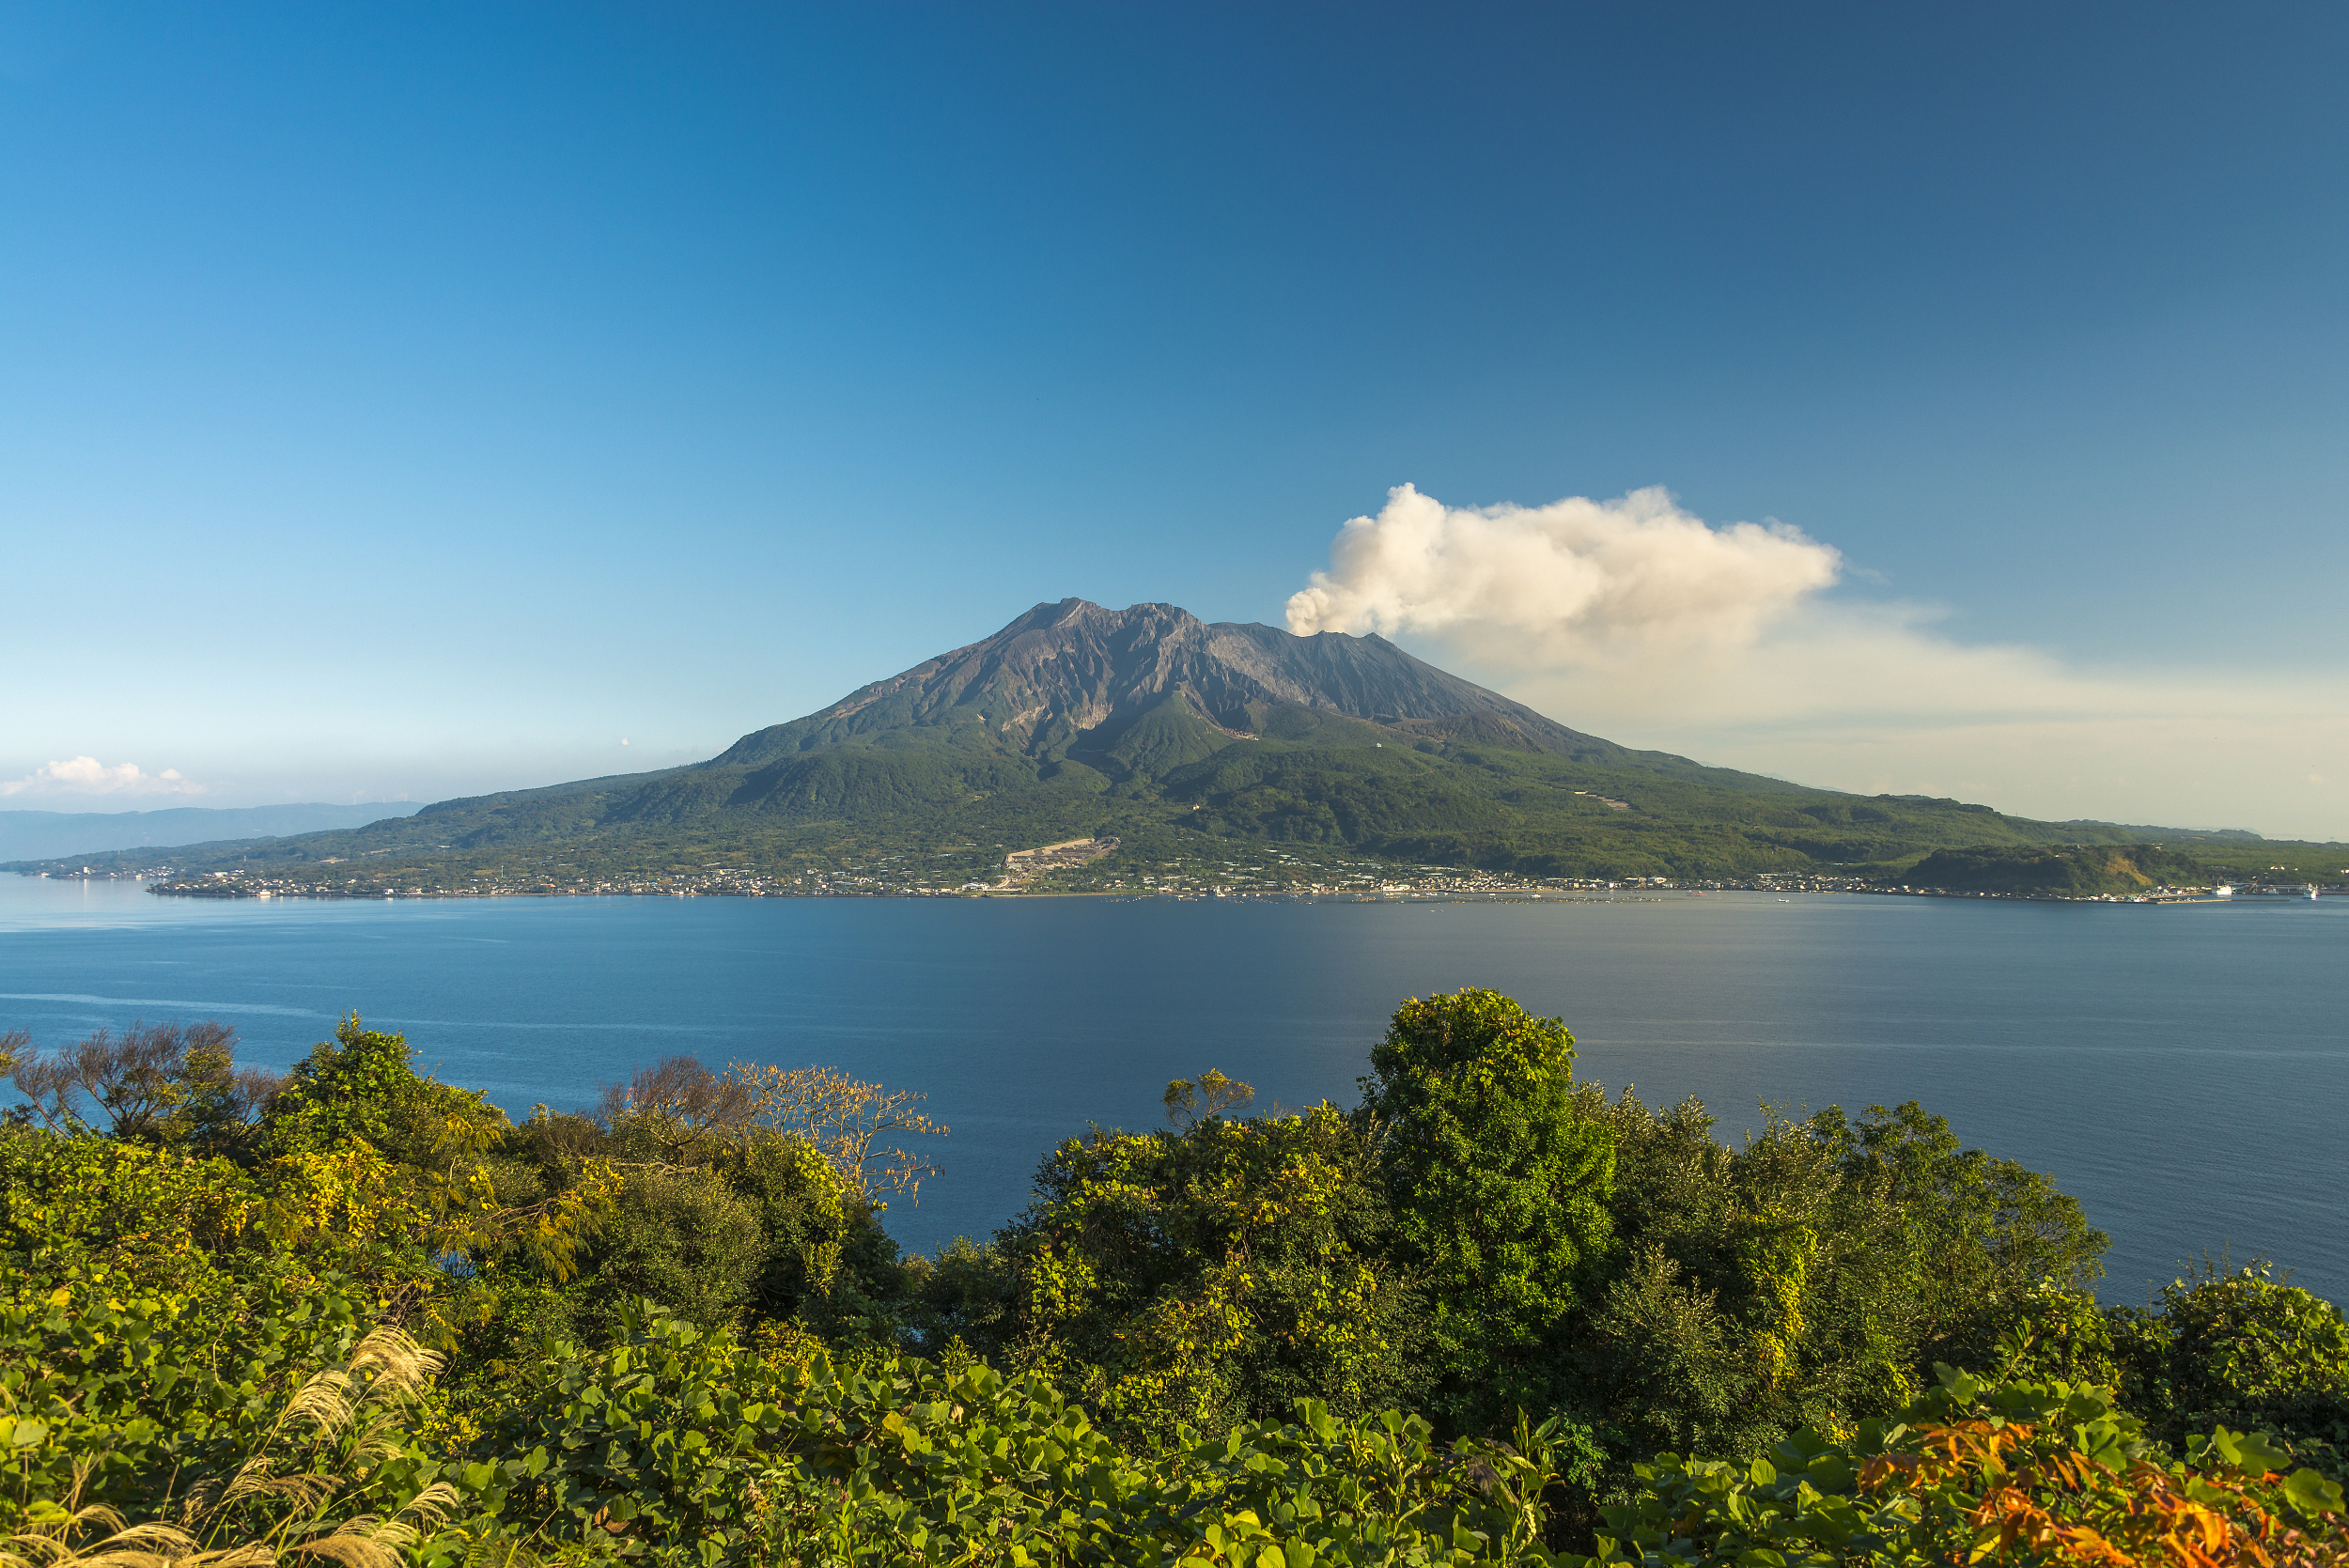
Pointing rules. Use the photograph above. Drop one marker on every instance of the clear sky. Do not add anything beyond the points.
(411, 400)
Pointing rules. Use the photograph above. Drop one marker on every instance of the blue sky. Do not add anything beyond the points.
(414, 400)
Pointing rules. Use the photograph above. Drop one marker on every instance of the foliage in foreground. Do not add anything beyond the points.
(1972, 1472)
(1483, 1235)
(357, 1314)
(676, 1443)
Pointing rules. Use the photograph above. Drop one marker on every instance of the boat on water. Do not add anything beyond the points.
(2222, 892)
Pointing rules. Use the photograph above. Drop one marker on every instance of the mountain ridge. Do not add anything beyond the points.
(1114, 667)
(37, 834)
(1173, 735)
(1112, 664)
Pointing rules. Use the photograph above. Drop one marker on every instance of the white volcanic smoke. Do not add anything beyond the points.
(1635, 620)
(1575, 582)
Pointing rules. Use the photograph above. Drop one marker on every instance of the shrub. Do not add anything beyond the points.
(270, 1432)
(1214, 1275)
(1810, 1277)
(1974, 1473)
(682, 1445)
(2244, 1349)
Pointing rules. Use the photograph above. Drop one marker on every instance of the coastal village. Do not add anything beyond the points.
(1076, 868)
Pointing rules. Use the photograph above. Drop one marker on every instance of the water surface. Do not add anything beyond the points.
(2183, 1070)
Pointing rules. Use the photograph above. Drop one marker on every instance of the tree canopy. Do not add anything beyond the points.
(1487, 1314)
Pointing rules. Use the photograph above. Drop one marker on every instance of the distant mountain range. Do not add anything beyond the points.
(1175, 736)
(29, 835)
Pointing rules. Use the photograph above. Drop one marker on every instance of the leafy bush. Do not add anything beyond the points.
(1214, 1275)
(679, 1334)
(72, 1206)
(283, 1430)
(1970, 1473)
(681, 1445)
(2244, 1349)
(680, 1436)
(683, 1237)
(1811, 1277)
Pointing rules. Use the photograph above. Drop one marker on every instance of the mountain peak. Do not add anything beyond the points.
(1073, 674)
(1084, 612)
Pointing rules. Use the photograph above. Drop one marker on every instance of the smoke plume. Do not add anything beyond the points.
(1576, 581)
(1634, 620)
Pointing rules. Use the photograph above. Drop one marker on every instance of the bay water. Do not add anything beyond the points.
(2183, 1070)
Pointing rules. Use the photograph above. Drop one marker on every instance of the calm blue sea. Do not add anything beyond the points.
(2183, 1070)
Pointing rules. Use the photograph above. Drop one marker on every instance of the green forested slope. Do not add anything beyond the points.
(1169, 781)
(1179, 738)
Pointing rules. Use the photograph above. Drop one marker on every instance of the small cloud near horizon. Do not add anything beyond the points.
(1640, 622)
(85, 776)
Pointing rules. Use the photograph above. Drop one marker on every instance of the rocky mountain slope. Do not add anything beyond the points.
(1075, 676)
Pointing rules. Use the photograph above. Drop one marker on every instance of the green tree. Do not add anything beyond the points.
(217, 1103)
(1210, 1275)
(1211, 1094)
(1499, 1188)
(724, 1214)
(686, 1239)
(1813, 1276)
(357, 1086)
(2242, 1349)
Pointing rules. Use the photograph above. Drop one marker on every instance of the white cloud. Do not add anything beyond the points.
(88, 776)
(1571, 581)
(1634, 620)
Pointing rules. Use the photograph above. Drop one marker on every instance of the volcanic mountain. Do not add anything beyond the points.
(1077, 678)
(1077, 720)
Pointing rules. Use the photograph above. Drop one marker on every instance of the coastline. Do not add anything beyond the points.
(1430, 885)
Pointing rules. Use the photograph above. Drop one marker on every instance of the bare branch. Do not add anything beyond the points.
(856, 1126)
(684, 1105)
(53, 1084)
(1189, 1101)
(143, 1080)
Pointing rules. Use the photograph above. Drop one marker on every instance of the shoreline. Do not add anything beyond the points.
(1559, 891)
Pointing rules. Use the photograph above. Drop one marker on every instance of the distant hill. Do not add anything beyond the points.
(2068, 871)
(1170, 733)
(2229, 836)
(29, 835)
